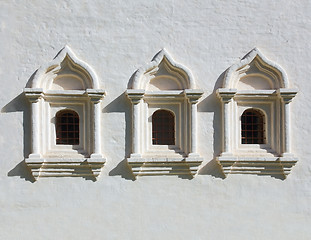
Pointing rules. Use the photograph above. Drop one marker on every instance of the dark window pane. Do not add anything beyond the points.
(163, 128)
(252, 127)
(67, 128)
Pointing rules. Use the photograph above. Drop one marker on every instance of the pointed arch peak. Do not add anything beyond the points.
(65, 51)
(66, 71)
(159, 56)
(162, 73)
(255, 71)
(252, 54)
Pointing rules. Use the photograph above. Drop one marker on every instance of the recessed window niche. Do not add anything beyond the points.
(164, 119)
(65, 119)
(256, 118)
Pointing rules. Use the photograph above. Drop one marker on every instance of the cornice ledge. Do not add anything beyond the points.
(135, 94)
(87, 168)
(33, 94)
(225, 94)
(95, 94)
(164, 166)
(287, 94)
(193, 95)
(277, 167)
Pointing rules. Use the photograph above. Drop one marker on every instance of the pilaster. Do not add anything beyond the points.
(226, 95)
(34, 95)
(135, 96)
(95, 99)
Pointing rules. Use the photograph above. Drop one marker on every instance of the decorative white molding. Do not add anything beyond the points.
(258, 83)
(65, 83)
(43, 74)
(87, 168)
(163, 167)
(144, 74)
(164, 84)
(273, 166)
(262, 63)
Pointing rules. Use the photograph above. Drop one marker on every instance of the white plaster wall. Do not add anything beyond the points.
(116, 38)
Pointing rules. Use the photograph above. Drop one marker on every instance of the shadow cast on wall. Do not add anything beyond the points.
(131, 80)
(21, 104)
(123, 105)
(21, 170)
(123, 170)
(212, 104)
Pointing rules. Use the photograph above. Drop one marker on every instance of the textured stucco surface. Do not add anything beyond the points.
(116, 38)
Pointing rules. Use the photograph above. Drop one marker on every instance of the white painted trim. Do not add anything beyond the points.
(139, 82)
(231, 77)
(274, 103)
(183, 104)
(45, 105)
(54, 65)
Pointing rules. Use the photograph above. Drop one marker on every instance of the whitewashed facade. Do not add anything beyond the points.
(115, 64)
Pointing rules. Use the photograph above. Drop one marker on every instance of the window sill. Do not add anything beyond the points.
(164, 166)
(278, 167)
(88, 168)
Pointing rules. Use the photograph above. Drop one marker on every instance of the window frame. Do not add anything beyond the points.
(255, 114)
(272, 101)
(148, 92)
(81, 93)
(267, 107)
(175, 108)
(171, 127)
(75, 124)
(56, 150)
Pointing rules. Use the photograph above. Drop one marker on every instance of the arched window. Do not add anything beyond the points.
(164, 101)
(163, 128)
(65, 117)
(253, 130)
(67, 128)
(256, 98)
